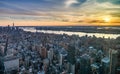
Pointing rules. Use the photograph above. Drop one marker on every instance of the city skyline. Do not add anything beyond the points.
(60, 12)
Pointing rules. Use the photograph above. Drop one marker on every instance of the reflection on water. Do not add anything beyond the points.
(74, 33)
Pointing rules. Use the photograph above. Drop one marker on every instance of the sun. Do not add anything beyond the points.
(106, 19)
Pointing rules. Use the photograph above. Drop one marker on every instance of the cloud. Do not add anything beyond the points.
(111, 1)
(115, 14)
(68, 3)
(59, 10)
(96, 21)
(74, 3)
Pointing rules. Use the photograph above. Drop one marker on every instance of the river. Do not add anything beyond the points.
(114, 36)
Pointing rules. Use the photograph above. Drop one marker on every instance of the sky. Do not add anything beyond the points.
(60, 12)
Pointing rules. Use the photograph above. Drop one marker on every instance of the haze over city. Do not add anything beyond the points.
(60, 12)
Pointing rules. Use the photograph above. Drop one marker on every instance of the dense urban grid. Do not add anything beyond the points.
(24, 52)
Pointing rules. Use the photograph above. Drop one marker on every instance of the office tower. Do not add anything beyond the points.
(113, 60)
(96, 68)
(2, 68)
(105, 65)
(63, 55)
(6, 46)
(50, 54)
(118, 62)
(1, 50)
(85, 64)
(43, 52)
(71, 59)
(45, 65)
(77, 66)
(61, 59)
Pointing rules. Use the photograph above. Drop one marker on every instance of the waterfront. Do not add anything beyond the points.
(80, 34)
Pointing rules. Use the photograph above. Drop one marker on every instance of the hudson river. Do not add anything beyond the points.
(73, 33)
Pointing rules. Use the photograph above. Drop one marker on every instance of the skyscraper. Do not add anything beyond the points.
(43, 52)
(2, 68)
(6, 45)
(71, 58)
(50, 54)
(113, 60)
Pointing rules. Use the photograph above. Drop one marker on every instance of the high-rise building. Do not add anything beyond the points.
(113, 60)
(77, 66)
(45, 65)
(61, 59)
(118, 62)
(2, 68)
(43, 52)
(50, 54)
(71, 59)
(105, 65)
(85, 64)
(6, 46)
(11, 63)
(63, 55)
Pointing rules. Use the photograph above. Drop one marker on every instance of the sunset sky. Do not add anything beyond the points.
(59, 12)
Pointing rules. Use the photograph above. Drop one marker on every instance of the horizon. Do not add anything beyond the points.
(59, 25)
(60, 12)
